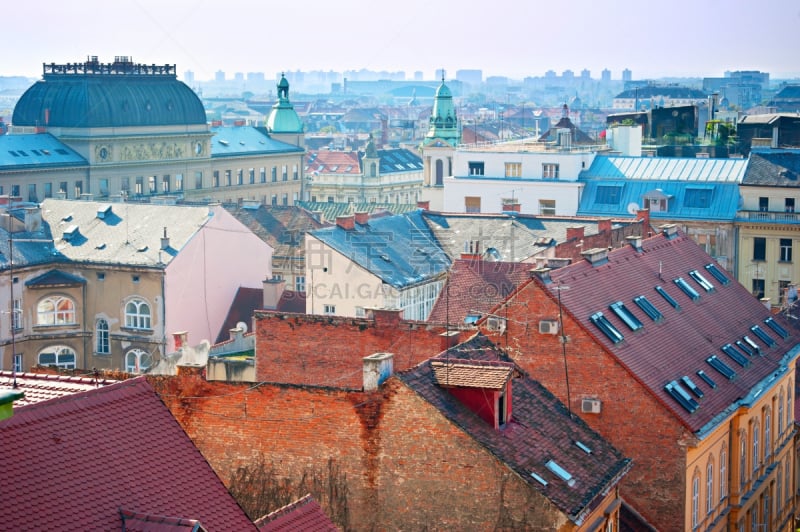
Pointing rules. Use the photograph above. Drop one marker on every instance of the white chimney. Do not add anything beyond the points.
(377, 368)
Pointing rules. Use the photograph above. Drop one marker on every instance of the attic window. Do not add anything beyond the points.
(103, 211)
(62, 151)
(71, 232)
(689, 383)
(13, 153)
(749, 341)
(775, 326)
(668, 298)
(682, 396)
(721, 366)
(702, 281)
(223, 142)
(746, 348)
(626, 316)
(763, 336)
(643, 303)
(141, 249)
(717, 273)
(604, 325)
(732, 352)
(708, 380)
(560, 472)
(688, 290)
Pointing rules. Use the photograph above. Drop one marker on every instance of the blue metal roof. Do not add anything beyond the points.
(246, 140)
(39, 150)
(401, 250)
(666, 168)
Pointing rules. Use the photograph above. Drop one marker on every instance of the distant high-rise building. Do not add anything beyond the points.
(471, 77)
(188, 77)
(605, 75)
(586, 74)
(238, 76)
(219, 76)
(550, 74)
(568, 74)
(418, 75)
(627, 75)
(440, 73)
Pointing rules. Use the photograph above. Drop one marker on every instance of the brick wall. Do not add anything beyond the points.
(383, 460)
(631, 418)
(328, 350)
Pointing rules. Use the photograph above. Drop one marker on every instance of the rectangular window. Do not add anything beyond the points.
(547, 207)
(165, 184)
(763, 204)
(227, 178)
(759, 248)
(724, 369)
(608, 195)
(472, 204)
(18, 363)
(476, 168)
(178, 181)
(274, 174)
(78, 189)
(643, 303)
(215, 179)
(788, 204)
(697, 198)
(48, 190)
(152, 187)
(626, 315)
(295, 173)
(240, 177)
(513, 169)
(252, 175)
(198, 179)
(606, 327)
(300, 283)
(786, 250)
(329, 309)
(64, 187)
(702, 281)
(263, 174)
(15, 191)
(285, 173)
(285, 199)
(758, 288)
(16, 316)
(103, 187)
(549, 171)
(668, 298)
(274, 199)
(32, 193)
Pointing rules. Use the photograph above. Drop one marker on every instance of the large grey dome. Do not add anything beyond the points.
(138, 95)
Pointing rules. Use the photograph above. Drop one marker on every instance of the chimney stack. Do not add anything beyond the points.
(346, 222)
(575, 232)
(180, 338)
(604, 225)
(543, 274)
(644, 216)
(33, 219)
(165, 240)
(449, 339)
(670, 231)
(273, 290)
(554, 263)
(377, 368)
(635, 242)
(424, 205)
(596, 256)
(385, 317)
(361, 218)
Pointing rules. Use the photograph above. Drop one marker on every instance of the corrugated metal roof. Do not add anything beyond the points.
(36, 150)
(666, 168)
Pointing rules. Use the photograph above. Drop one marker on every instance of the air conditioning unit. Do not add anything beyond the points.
(590, 406)
(496, 324)
(548, 327)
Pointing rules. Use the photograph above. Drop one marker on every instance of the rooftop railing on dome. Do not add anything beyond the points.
(121, 65)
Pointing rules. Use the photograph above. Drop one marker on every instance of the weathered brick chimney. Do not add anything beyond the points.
(385, 317)
(575, 232)
(346, 222)
(425, 205)
(449, 339)
(604, 225)
(361, 218)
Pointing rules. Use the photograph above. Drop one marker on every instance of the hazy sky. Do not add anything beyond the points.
(500, 37)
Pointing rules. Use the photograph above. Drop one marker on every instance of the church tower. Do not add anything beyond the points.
(283, 123)
(444, 135)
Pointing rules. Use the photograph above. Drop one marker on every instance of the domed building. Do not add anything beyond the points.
(124, 129)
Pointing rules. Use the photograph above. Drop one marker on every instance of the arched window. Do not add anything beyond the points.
(60, 356)
(709, 487)
(138, 361)
(101, 336)
(137, 314)
(373, 170)
(695, 499)
(723, 474)
(55, 310)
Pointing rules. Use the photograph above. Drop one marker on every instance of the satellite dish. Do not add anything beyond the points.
(242, 325)
(633, 207)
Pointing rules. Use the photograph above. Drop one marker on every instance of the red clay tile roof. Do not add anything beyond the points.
(303, 515)
(472, 374)
(39, 387)
(72, 463)
(475, 287)
(333, 162)
(678, 345)
(541, 429)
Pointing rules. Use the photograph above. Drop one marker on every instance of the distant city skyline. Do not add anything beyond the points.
(512, 38)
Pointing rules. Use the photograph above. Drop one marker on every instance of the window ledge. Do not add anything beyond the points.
(136, 330)
(53, 326)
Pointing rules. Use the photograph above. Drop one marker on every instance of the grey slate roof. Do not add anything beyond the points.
(130, 233)
(775, 168)
(397, 160)
(540, 430)
(40, 150)
(400, 250)
(246, 140)
(55, 278)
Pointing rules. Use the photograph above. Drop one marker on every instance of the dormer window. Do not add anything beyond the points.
(481, 386)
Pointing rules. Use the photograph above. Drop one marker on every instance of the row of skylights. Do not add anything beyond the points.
(741, 351)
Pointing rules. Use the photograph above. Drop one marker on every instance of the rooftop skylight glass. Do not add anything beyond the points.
(763, 336)
(717, 273)
(708, 380)
(682, 396)
(736, 355)
(668, 298)
(721, 367)
(604, 325)
(626, 316)
(643, 303)
(775, 326)
(702, 281)
(688, 290)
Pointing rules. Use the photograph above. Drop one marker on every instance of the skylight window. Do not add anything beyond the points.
(721, 367)
(668, 298)
(626, 316)
(775, 326)
(708, 380)
(682, 396)
(689, 383)
(746, 348)
(688, 290)
(763, 336)
(749, 341)
(717, 273)
(582, 446)
(539, 479)
(604, 325)
(702, 281)
(648, 308)
(737, 356)
(560, 472)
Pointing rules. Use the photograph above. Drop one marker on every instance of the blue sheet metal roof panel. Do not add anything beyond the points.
(83, 101)
(400, 250)
(36, 150)
(724, 201)
(246, 140)
(666, 168)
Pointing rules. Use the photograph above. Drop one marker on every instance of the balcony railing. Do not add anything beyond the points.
(769, 217)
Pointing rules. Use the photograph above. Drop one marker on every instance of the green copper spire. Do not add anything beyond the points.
(443, 121)
(283, 118)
